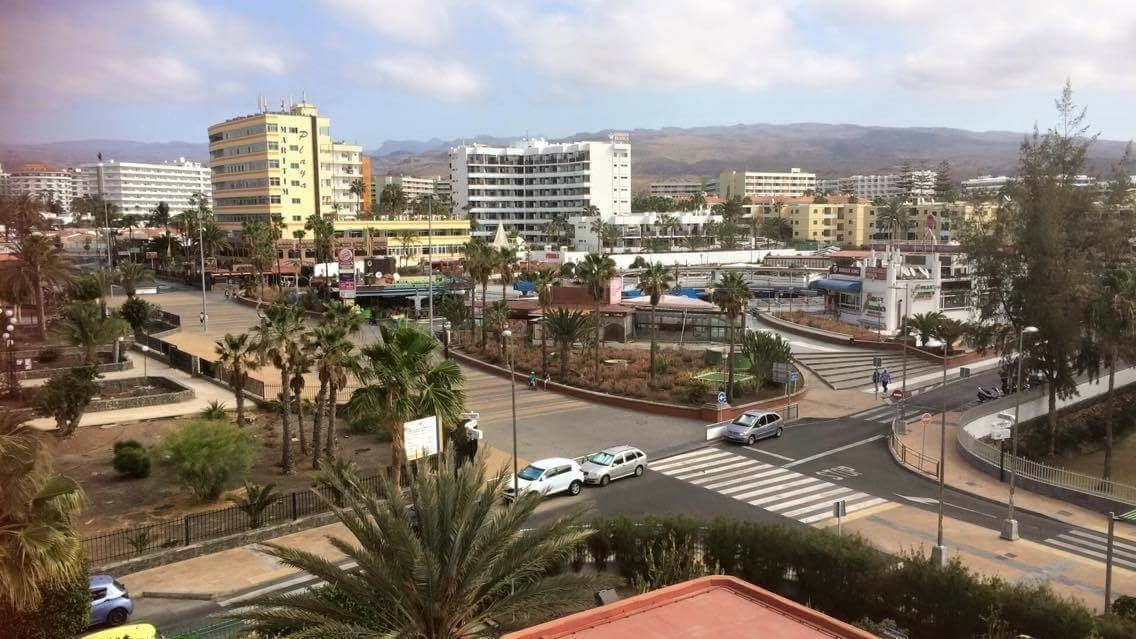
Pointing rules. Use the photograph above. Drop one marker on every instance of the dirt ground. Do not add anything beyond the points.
(114, 502)
(1123, 461)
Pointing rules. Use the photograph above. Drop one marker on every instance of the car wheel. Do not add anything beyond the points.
(639, 471)
(605, 480)
(574, 488)
(751, 440)
(780, 432)
(117, 617)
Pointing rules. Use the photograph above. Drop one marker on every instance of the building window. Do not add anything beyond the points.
(295, 200)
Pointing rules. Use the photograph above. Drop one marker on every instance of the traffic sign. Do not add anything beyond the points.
(896, 395)
(926, 419)
(721, 397)
(840, 508)
(794, 376)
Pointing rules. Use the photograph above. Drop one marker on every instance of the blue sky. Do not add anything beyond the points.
(416, 69)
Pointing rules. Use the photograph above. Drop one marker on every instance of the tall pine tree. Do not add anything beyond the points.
(944, 183)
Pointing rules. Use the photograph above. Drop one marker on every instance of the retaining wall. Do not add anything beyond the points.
(175, 393)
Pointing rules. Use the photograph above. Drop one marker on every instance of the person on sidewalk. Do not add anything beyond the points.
(885, 379)
(473, 437)
(876, 381)
(547, 379)
(532, 380)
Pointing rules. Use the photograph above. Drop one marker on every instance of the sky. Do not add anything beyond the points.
(165, 70)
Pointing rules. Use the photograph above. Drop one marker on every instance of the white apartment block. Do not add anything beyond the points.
(522, 187)
(636, 230)
(136, 188)
(44, 182)
(871, 186)
(683, 188)
(828, 185)
(793, 183)
(922, 183)
(340, 165)
(414, 188)
(985, 184)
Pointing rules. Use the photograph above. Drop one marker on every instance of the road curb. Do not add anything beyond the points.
(195, 596)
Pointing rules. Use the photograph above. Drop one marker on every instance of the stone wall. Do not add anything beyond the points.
(168, 392)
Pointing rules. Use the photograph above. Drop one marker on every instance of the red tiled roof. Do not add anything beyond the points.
(712, 607)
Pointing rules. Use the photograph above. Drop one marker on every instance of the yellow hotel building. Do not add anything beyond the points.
(285, 165)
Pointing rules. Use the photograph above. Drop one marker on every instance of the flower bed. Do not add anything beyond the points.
(825, 323)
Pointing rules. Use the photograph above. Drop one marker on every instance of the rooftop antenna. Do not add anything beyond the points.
(303, 96)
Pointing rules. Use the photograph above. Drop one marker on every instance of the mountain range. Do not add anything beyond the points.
(829, 150)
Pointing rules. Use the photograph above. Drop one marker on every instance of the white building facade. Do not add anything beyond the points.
(638, 230)
(683, 188)
(339, 169)
(791, 183)
(870, 186)
(524, 186)
(136, 187)
(414, 188)
(46, 183)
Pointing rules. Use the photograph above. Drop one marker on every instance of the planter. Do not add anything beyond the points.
(166, 391)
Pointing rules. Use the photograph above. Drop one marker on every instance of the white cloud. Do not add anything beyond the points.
(414, 21)
(443, 79)
(667, 44)
(982, 47)
(222, 37)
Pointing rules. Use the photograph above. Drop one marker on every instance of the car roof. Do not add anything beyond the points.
(758, 413)
(101, 580)
(551, 461)
(622, 448)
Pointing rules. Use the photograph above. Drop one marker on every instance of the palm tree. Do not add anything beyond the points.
(300, 363)
(104, 279)
(505, 262)
(130, 274)
(655, 281)
(891, 217)
(543, 281)
(83, 325)
(404, 380)
(1111, 327)
(438, 563)
(323, 236)
(335, 359)
(597, 271)
(925, 324)
(405, 238)
(566, 327)
(948, 332)
(731, 294)
(763, 351)
(214, 237)
(160, 216)
(274, 335)
(479, 265)
(358, 189)
(558, 230)
(40, 550)
(237, 355)
(42, 265)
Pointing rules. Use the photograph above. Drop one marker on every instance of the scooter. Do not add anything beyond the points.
(989, 393)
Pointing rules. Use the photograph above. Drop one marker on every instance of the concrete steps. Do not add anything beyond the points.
(853, 369)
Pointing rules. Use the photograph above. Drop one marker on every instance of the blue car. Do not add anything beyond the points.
(110, 603)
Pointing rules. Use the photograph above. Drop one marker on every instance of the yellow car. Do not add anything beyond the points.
(133, 631)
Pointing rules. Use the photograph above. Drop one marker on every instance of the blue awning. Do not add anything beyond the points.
(837, 286)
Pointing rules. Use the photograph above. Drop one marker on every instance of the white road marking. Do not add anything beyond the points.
(835, 450)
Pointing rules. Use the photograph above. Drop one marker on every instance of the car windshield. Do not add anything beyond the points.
(745, 420)
(603, 459)
(530, 473)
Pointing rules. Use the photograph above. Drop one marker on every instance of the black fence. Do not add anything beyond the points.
(204, 526)
(180, 359)
(171, 318)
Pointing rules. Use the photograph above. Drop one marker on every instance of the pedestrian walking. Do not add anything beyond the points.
(547, 379)
(473, 437)
(532, 380)
(876, 380)
(885, 379)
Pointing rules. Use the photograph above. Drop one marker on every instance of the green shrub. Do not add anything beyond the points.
(697, 390)
(671, 562)
(215, 410)
(131, 459)
(64, 612)
(139, 313)
(47, 355)
(207, 456)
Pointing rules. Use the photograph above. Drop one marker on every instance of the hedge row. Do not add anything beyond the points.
(848, 578)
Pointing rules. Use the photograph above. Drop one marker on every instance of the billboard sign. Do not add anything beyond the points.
(346, 258)
(421, 438)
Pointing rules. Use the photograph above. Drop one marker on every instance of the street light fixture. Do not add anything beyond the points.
(145, 364)
(9, 345)
(1010, 526)
(513, 391)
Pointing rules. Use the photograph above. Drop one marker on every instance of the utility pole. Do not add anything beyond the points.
(106, 224)
(507, 334)
(939, 552)
(201, 244)
(430, 257)
(1010, 526)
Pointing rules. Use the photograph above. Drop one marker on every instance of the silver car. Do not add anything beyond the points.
(613, 463)
(753, 425)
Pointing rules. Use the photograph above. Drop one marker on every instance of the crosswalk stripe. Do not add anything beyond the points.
(1103, 540)
(686, 473)
(702, 452)
(767, 489)
(849, 509)
(770, 478)
(673, 466)
(739, 474)
(814, 507)
(1092, 553)
(776, 502)
(1101, 545)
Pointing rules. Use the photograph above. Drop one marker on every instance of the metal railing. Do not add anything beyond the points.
(912, 458)
(1046, 474)
(137, 541)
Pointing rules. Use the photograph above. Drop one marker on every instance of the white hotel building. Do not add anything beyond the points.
(522, 187)
(136, 188)
(791, 183)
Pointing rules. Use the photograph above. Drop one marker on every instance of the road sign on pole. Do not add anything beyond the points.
(926, 419)
(896, 395)
(721, 397)
(839, 510)
(794, 376)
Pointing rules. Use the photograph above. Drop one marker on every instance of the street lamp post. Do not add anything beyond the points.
(1010, 526)
(9, 345)
(201, 244)
(430, 258)
(145, 363)
(513, 391)
(903, 307)
(939, 552)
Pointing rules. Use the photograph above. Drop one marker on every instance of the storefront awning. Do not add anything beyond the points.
(836, 286)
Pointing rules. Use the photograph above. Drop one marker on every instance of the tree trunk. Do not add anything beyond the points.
(564, 354)
(41, 311)
(300, 423)
(287, 458)
(543, 345)
(654, 335)
(730, 364)
(329, 444)
(1109, 416)
(1052, 417)
(484, 308)
(396, 446)
(597, 345)
(317, 424)
(238, 381)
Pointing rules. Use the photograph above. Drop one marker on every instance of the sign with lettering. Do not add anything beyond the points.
(421, 438)
(845, 270)
(876, 273)
(923, 291)
(874, 305)
(346, 258)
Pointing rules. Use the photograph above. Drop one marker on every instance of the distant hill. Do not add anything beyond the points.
(830, 150)
(74, 152)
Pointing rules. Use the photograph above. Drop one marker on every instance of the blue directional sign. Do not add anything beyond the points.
(721, 397)
(794, 376)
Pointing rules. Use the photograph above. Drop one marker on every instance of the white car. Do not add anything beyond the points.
(548, 477)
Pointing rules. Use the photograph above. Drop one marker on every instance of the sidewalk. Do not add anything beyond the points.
(935, 380)
(204, 392)
(962, 475)
(822, 402)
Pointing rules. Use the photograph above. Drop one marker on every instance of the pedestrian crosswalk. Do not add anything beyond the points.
(1094, 545)
(880, 414)
(780, 490)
